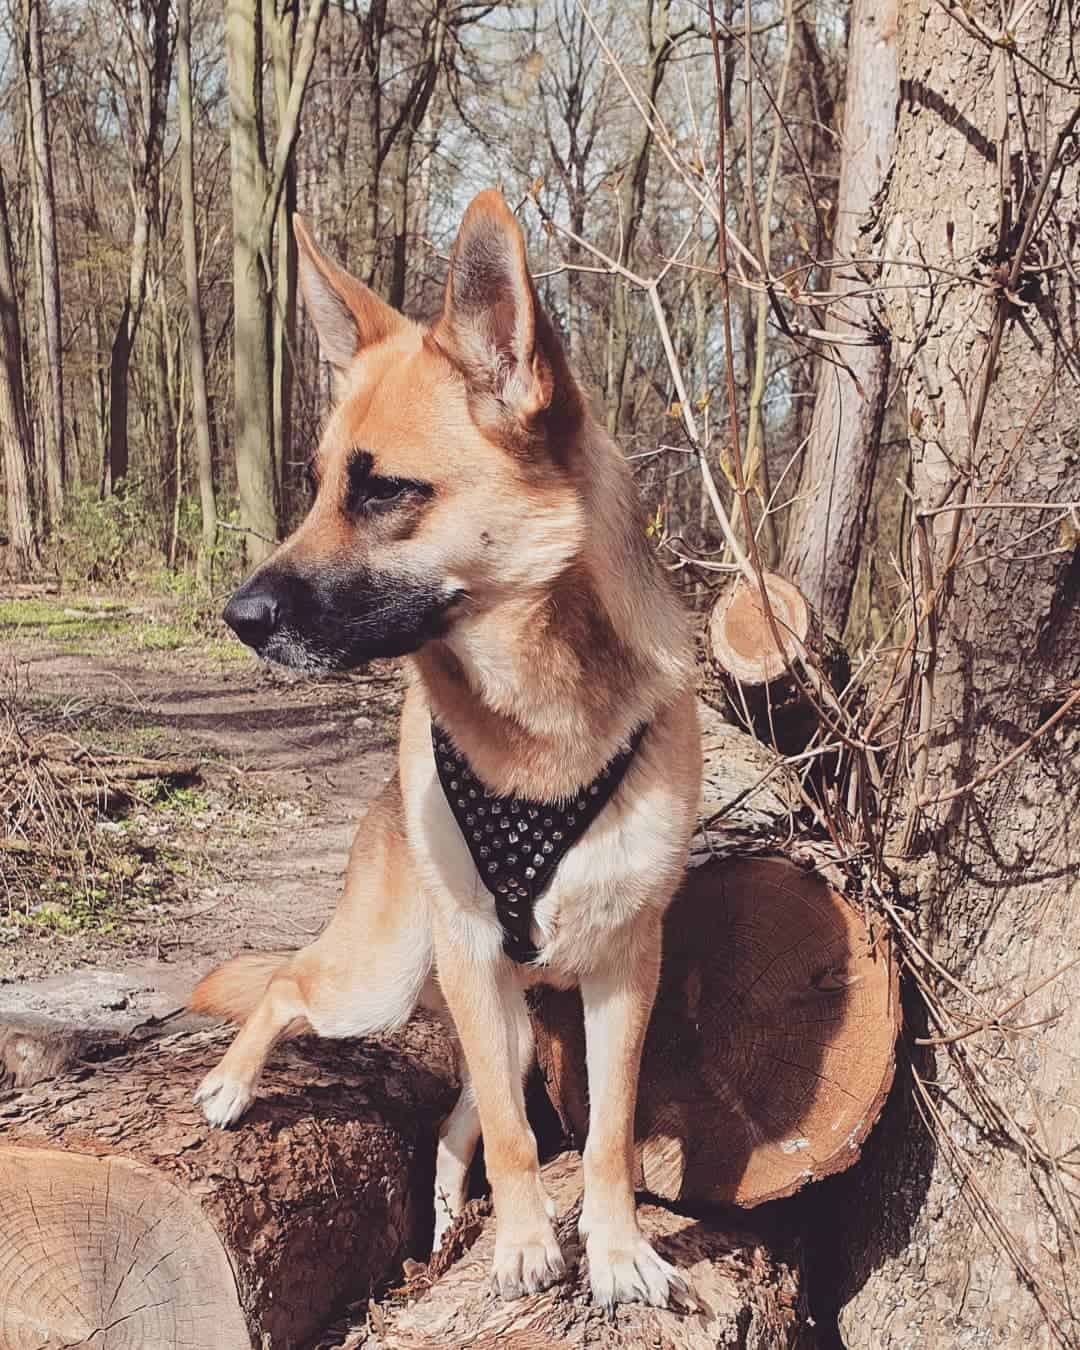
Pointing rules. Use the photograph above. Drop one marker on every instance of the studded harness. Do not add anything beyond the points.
(517, 844)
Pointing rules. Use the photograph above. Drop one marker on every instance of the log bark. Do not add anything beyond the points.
(15, 435)
(771, 1048)
(756, 668)
(746, 1300)
(128, 1221)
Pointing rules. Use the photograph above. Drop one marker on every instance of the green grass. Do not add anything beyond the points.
(110, 626)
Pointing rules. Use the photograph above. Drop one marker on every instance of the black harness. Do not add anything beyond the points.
(517, 844)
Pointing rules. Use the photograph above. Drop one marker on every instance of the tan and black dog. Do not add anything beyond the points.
(471, 514)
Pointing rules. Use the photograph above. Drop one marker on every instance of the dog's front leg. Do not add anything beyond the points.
(623, 1268)
(492, 1023)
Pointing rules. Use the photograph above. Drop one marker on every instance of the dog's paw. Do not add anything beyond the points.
(527, 1267)
(223, 1098)
(625, 1269)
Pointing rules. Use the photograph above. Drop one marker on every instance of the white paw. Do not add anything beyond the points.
(527, 1267)
(223, 1098)
(623, 1268)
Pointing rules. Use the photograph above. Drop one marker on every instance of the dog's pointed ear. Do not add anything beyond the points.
(347, 315)
(491, 319)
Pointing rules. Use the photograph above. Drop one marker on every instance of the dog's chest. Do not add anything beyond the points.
(621, 865)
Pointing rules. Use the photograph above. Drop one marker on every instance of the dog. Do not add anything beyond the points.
(472, 515)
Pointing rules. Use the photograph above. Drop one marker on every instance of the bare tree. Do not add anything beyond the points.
(257, 185)
(43, 197)
(14, 426)
(825, 529)
(196, 352)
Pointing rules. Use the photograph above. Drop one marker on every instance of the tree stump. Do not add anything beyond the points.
(771, 1047)
(756, 671)
(745, 1299)
(123, 1210)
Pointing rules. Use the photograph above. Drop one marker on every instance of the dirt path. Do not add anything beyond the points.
(287, 768)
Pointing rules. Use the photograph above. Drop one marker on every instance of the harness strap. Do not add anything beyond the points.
(517, 844)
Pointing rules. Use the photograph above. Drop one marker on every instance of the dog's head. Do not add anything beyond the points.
(445, 481)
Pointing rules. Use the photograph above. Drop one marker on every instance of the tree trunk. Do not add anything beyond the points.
(747, 1299)
(14, 427)
(825, 528)
(256, 192)
(123, 1209)
(966, 1233)
(200, 412)
(48, 268)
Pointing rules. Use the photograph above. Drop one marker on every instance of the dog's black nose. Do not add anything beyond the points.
(252, 615)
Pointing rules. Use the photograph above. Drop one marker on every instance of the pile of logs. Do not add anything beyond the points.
(128, 1222)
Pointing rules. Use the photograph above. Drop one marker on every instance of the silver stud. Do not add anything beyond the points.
(484, 850)
(477, 835)
(461, 801)
(581, 806)
(571, 821)
(481, 810)
(470, 819)
(453, 784)
(515, 807)
(472, 792)
(492, 868)
(538, 834)
(557, 836)
(523, 893)
(548, 822)
(512, 912)
(513, 836)
(523, 826)
(442, 747)
(504, 824)
(511, 858)
(533, 812)
(593, 790)
(548, 846)
(489, 828)
(530, 872)
(538, 858)
(501, 887)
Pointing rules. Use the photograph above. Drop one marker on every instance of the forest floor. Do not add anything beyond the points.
(249, 855)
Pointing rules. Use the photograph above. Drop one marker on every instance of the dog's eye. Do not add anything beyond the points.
(376, 493)
(385, 489)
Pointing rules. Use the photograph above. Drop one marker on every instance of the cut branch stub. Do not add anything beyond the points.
(771, 1048)
(756, 669)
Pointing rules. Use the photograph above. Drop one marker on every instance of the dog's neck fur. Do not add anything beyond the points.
(541, 691)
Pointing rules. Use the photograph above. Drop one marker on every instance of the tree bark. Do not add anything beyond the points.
(257, 186)
(150, 30)
(825, 528)
(747, 1299)
(966, 1231)
(124, 1209)
(48, 266)
(14, 426)
(196, 351)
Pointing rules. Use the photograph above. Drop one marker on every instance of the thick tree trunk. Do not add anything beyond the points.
(124, 1210)
(48, 266)
(196, 352)
(746, 1299)
(14, 426)
(825, 528)
(968, 1225)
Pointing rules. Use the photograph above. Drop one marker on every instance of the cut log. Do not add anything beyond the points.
(124, 1210)
(771, 1047)
(756, 670)
(745, 1300)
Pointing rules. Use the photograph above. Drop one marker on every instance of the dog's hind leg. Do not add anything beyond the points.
(458, 1138)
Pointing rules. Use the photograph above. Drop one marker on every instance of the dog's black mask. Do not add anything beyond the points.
(335, 620)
